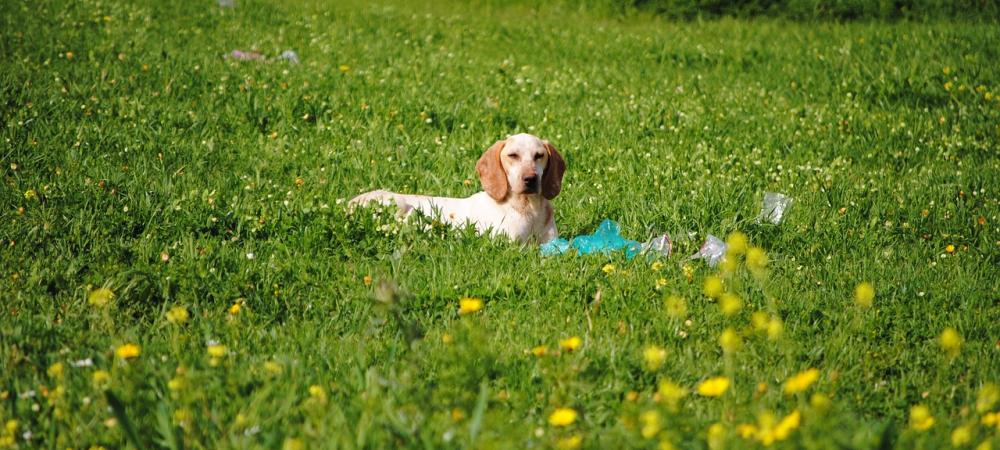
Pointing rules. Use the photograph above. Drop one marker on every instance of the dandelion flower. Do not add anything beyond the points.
(562, 417)
(569, 443)
(55, 370)
(216, 350)
(775, 327)
(100, 296)
(177, 315)
(820, 402)
(469, 305)
(669, 393)
(800, 381)
(961, 436)
(317, 393)
(756, 259)
(540, 351)
(608, 268)
(127, 351)
(272, 368)
(736, 243)
(293, 443)
(570, 344)
(447, 338)
(730, 341)
(746, 430)
(787, 424)
(712, 287)
(921, 418)
(656, 266)
(654, 356)
(950, 341)
(713, 387)
(988, 395)
(864, 295)
(651, 422)
(100, 379)
(716, 436)
(730, 304)
(676, 306)
(688, 271)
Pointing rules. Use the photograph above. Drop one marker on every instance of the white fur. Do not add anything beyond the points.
(524, 215)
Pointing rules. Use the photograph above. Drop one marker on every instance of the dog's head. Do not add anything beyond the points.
(521, 165)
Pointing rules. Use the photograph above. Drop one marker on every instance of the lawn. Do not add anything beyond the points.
(179, 268)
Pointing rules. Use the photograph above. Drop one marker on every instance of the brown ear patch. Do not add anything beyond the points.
(491, 172)
(552, 177)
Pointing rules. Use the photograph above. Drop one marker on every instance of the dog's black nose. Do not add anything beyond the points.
(531, 183)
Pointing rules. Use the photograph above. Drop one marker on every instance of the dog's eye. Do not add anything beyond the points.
(538, 156)
(514, 156)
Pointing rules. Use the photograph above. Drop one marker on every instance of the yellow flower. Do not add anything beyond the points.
(318, 394)
(660, 283)
(469, 305)
(961, 436)
(654, 357)
(688, 272)
(570, 344)
(656, 266)
(712, 287)
(730, 341)
(651, 423)
(56, 370)
(820, 402)
(716, 436)
(562, 417)
(540, 351)
(788, 424)
(756, 259)
(730, 304)
(100, 296)
(177, 314)
(989, 394)
(127, 351)
(991, 419)
(367, 280)
(713, 387)
(729, 263)
(216, 350)
(676, 306)
(670, 393)
(30, 194)
(569, 443)
(921, 418)
(736, 243)
(950, 341)
(775, 328)
(272, 368)
(800, 381)
(447, 338)
(100, 379)
(457, 414)
(176, 384)
(746, 430)
(294, 443)
(864, 295)
(948, 85)
(344, 68)
(949, 249)
(608, 268)
(235, 309)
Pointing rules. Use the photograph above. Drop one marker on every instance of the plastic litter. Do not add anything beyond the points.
(290, 56)
(227, 3)
(774, 207)
(712, 251)
(241, 55)
(607, 239)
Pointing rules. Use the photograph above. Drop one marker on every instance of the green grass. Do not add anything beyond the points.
(147, 164)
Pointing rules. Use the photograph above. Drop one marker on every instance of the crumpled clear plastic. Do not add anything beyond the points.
(774, 207)
(290, 56)
(712, 251)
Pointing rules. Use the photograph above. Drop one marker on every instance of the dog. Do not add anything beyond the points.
(520, 175)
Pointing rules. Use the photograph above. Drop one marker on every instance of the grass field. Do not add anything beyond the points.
(179, 270)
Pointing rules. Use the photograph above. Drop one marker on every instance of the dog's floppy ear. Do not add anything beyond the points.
(552, 177)
(491, 172)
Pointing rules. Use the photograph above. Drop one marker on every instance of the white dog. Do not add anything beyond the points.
(519, 174)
